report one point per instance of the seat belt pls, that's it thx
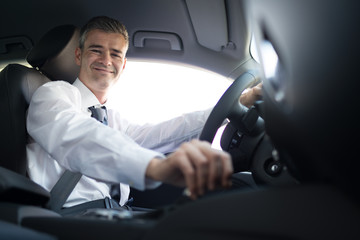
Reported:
(62, 189)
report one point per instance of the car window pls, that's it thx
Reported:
(151, 92)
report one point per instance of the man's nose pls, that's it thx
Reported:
(106, 59)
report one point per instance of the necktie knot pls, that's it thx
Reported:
(100, 114)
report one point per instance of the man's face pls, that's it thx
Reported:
(101, 60)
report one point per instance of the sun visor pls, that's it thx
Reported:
(210, 23)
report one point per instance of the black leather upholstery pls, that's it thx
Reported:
(11, 231)
(51, 56)
(15, 188)
(17, 84)
(54, 56)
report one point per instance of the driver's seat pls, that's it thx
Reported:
(17, 84)
(52, 59)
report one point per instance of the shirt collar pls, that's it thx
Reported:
(88, 99)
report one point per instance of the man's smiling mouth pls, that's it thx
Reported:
(103, 70)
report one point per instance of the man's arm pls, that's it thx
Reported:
(168, 135)
(79, 143)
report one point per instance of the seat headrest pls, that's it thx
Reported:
(54, 53)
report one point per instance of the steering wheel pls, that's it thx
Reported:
(256, 153)
(228, 106)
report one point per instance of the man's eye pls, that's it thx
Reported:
(95, 51)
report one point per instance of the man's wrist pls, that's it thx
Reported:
(152, 168)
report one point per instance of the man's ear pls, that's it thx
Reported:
(78, 56)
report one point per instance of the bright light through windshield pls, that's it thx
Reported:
(153, 92)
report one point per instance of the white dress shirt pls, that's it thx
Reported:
(64, 136)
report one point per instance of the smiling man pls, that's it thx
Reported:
(66, 137)
(102, 60)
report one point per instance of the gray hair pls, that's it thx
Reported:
(103, 23)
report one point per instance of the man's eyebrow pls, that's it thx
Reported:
(99, 46)
(95, 46)
(116, 50)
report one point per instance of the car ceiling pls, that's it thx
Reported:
(211, 34)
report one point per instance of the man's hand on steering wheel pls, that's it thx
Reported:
(251, 95)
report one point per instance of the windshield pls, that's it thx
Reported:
(149, 92)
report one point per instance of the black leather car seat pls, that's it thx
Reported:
(20, 197)
(53, 58)
(17, 84)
